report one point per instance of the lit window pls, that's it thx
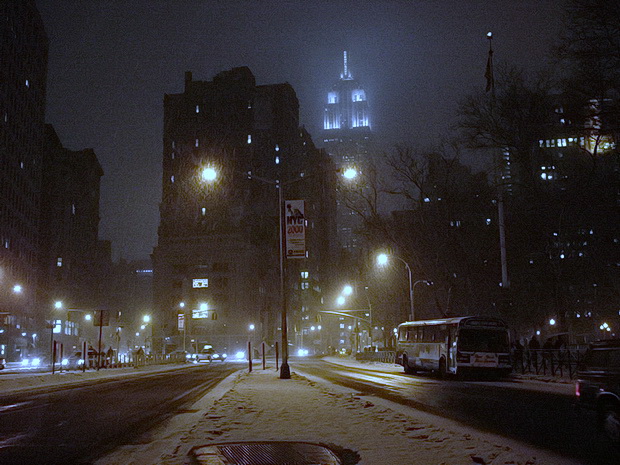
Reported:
(27, 83)
(304, 274)
(197, 143)
(277, 160)
(488, 221)
(59, 262)
(73, 209)
(249, 138)
(427, 200)
(197, 108)
(6, 244)
(341, 325)
(204, 211)
(172, 178)
(57, 326)
(21, 164)
(277, 148)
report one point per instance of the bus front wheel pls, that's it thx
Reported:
(408, 370)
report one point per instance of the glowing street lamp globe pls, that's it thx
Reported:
(209, 174)
(347, 290)
(146, 318)
(350, 173)
(17, 289)
(58, 304)
(340, 300)
(382, 259)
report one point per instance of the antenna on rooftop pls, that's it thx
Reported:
(346, 71)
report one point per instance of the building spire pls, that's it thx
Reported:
(346, 72)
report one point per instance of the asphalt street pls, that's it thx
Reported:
(544, 419)
(71, 425)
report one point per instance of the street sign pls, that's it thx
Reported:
(200, 282)
(102, 318)
(181, 322)
(295, 229)
(200, 314)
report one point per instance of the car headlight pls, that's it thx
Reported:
(224, 355)
(216, 356)
(64, 362)
(188, 355)
(25, 362)
(81, 361)
(36, 362)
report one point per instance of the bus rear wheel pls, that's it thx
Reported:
(442, 368)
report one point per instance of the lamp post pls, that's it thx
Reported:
(209, 175)
(382, 260)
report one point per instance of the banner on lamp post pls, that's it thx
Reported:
(295, 229)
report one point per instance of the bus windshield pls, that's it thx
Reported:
(483, 340)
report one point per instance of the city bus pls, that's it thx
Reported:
(456, 346)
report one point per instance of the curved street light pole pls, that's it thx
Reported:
(411, 286)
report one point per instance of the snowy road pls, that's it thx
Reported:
(540, 415)
(77, 424)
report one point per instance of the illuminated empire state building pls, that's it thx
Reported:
(347, 139)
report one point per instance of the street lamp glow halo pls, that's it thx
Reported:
(347, 290)
(382, 259)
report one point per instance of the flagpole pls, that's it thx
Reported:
(500, 200)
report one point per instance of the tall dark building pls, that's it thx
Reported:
(347, 137)
(70, 224)
(23, 54)
(71, 260)
(216, 261)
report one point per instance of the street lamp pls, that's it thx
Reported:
(58, 305)
(382, 260)
(17, 289)
(209, 174)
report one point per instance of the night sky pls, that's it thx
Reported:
(111, 62)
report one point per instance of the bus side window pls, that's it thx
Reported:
(421, 334)
(402, 334)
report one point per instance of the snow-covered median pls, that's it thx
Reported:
(26, 382)
(258, 406)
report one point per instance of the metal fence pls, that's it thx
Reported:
(550, 362)
(385, 356)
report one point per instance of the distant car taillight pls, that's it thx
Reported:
(577, 389)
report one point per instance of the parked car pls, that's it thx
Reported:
(2, 363)
(598, 386)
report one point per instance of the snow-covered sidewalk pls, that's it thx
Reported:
(259, 406)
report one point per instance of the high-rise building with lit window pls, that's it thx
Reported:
(347, 138)
(216, 260)
(23, 74)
